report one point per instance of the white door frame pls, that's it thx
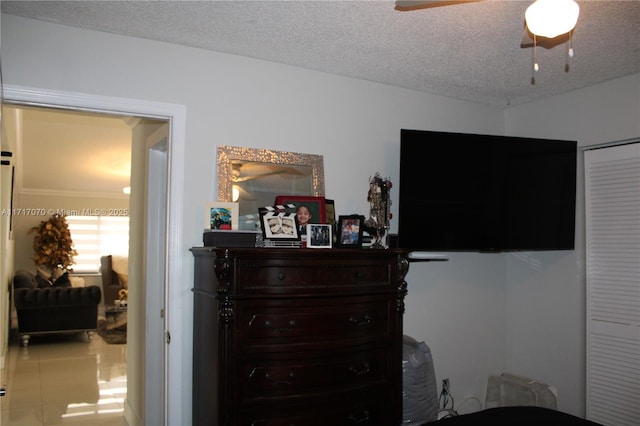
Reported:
(176, 114)
(156, 147)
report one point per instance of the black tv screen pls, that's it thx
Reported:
(472, 192)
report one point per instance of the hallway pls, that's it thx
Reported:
(64, 379)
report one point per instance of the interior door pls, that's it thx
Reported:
(612, 196)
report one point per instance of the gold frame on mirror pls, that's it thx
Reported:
(230, 159)
(226, 155)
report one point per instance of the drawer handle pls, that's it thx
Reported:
(363, 417)
(292, 325)
(365, 369)
(287, 382)
(360, 274)
(282, 276)
(365, 320)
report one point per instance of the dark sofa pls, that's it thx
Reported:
(54, 309)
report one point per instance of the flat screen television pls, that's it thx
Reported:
(472, 192)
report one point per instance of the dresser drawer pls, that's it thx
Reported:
(288, 322)
(269, 378)
(369, 407)
(273, 277)
(298, 337)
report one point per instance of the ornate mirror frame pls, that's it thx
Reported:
(227, 154)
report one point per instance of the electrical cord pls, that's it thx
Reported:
(443, 401)
(445, 398)
(445, 395)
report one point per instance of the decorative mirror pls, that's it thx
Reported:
(254, 177)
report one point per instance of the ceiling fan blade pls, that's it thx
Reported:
(406, 6)
(547, 43)
(527, 38)
(246, 178)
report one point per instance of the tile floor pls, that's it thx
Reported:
(64, 379)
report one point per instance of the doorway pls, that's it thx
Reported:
(140, 362)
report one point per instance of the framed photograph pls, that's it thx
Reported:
(319, 236)
(350, 231)
(279, 223)
(330, 212)
(308, 209)
(221, 216)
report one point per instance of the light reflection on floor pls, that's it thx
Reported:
(64, 379)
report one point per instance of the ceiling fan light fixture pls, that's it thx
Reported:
(551, 18)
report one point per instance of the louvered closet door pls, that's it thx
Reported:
(612, 184)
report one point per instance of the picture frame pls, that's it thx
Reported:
(319, 235)
(330, 212)
(279, 223)
(315, 205)
(330, 209)
(349, 231)
(221, 216)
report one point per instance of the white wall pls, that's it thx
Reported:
(457, 307)
(546, 292)
(238, 101)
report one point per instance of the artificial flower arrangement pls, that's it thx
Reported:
(53, 246)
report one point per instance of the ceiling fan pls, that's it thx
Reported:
(406, 6)
(246, 171)
(238, 168)
(529, 39)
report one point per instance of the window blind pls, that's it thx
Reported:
(95, 236)
(612, 196)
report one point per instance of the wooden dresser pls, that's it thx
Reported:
(301, 337)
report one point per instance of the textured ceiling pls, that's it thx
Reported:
(467, 51)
